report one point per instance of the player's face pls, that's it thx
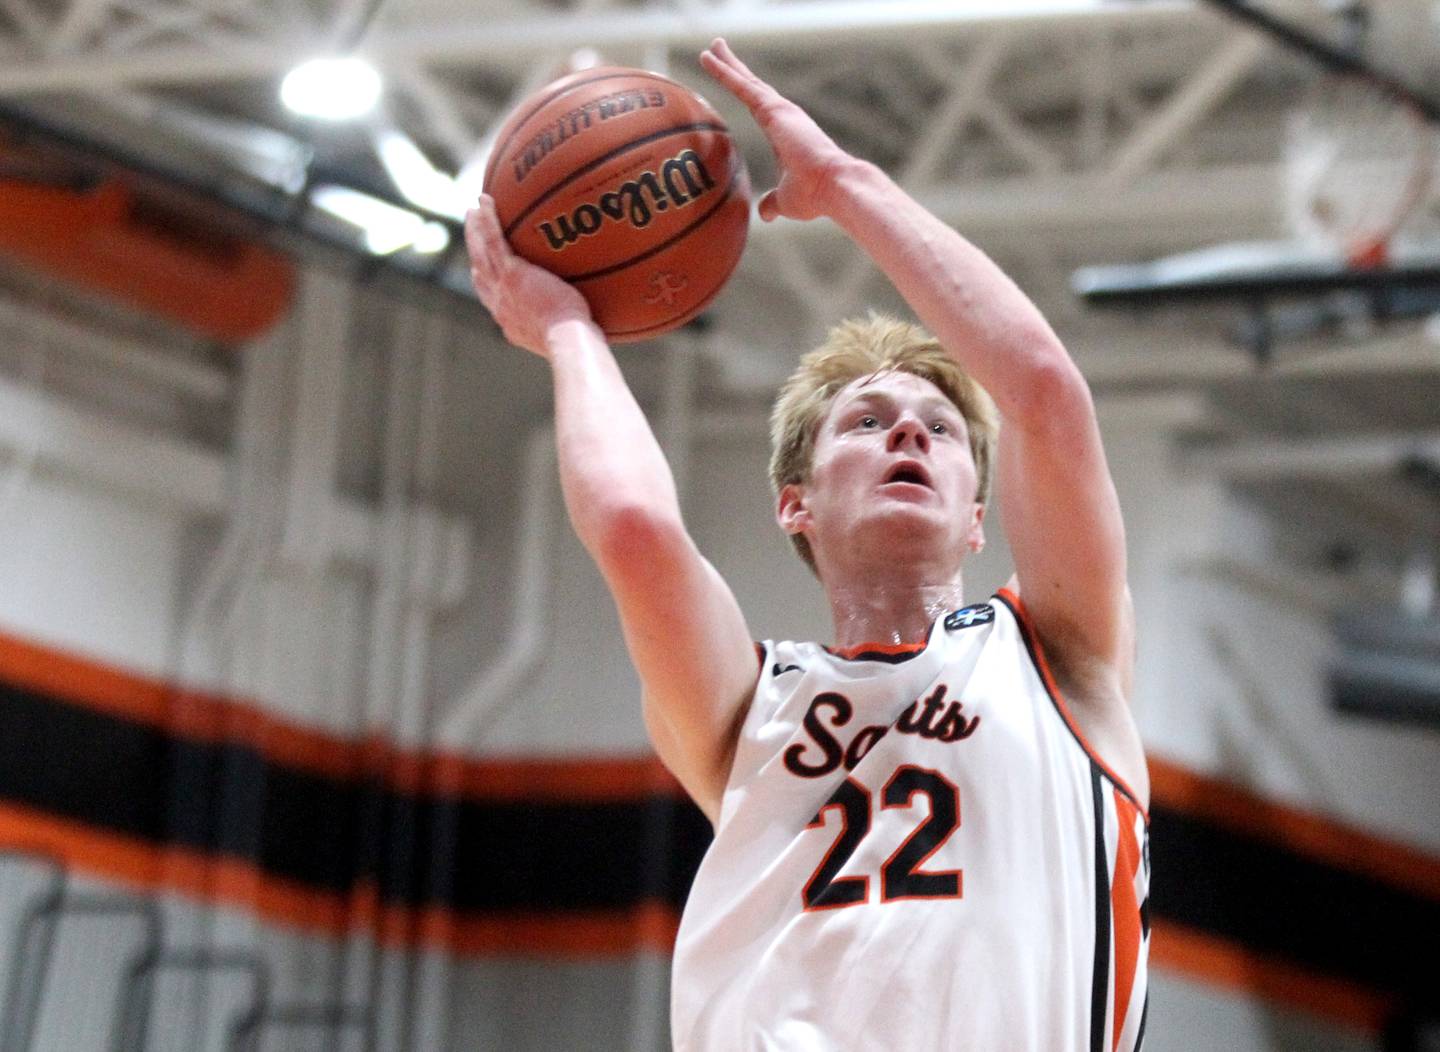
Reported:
(892, 466)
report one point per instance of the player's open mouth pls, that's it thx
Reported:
(908, 471)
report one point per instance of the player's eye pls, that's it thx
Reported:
(939, 428)
(868, 421)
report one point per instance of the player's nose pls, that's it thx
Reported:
(909, 431)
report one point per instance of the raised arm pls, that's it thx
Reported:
(684, 630)
(1061, 513)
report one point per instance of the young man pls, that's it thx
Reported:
(927, 837)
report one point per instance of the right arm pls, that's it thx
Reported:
(684, 630)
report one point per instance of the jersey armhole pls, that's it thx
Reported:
(1042, 668)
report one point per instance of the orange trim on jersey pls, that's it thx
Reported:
(1042, 665)
(1218, 962)
(1124, 910)
(146, 868)
(1303, 832)
(850, 653)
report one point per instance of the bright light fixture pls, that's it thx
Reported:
(332, 89)
(419, 180)
(387, 228)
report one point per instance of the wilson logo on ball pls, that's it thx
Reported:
(681, 181)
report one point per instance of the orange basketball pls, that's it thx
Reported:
(627, 185)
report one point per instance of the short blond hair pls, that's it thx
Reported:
(863, 347)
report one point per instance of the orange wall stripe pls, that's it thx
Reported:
(1325, 839)
(147, 869)
(1218, 962)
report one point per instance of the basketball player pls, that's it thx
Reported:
(930, 836)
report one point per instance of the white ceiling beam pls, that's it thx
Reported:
(962, 100)
(513, 44)
(1188, 105)
(438, 109)
(832, 111)
(1019, 140)
(80, 20)
(32, 26)
(153, 20)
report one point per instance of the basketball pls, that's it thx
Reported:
(627, 185)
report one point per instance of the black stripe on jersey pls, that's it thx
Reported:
(1100, 982)
(1030, 648)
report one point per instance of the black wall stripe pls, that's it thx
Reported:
(1100, 974)
(132, 779)
(1264, 895)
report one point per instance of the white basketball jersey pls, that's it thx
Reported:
(916, 851)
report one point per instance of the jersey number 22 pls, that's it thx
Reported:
(900, 876)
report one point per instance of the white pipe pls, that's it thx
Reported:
(389, 584)
(324, 323)
(430, 997)
(495, 686)
(1205, 90)
(385, 714)
(22, 466)
(241, 529)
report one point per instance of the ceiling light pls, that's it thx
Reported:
(332, 89)
(387, 229)
(417, 179)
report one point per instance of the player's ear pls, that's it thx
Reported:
(975, 535)
(790, 510)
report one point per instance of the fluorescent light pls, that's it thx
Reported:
(417, 179)
(387, 228)
(332, 89)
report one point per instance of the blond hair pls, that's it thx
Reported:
(864, 347)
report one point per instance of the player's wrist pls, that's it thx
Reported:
(848, 181)
(572, 332)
